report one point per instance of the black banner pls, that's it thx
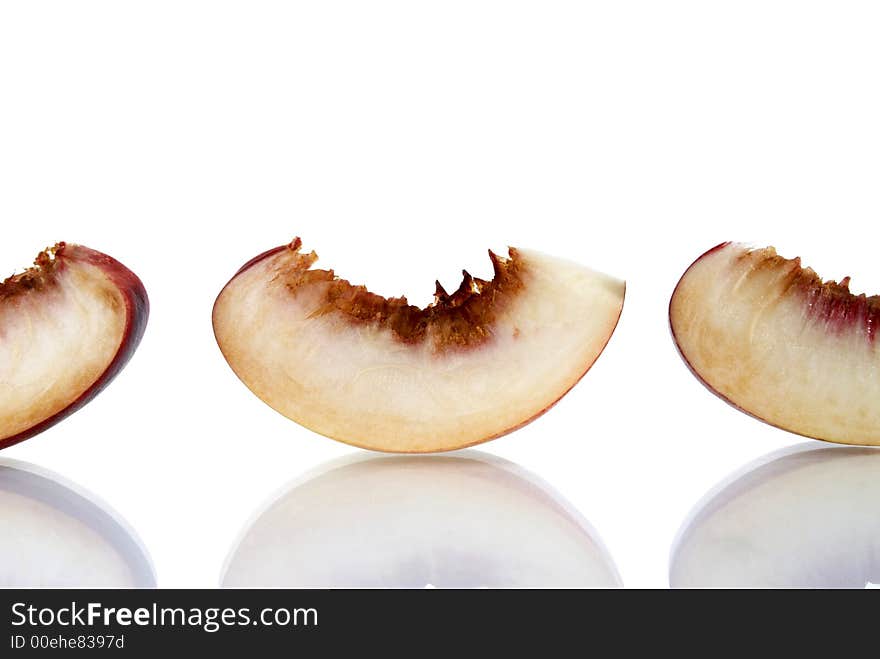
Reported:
(244, 620)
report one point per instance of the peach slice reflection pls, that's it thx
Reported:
(468, 520)
(54, 534)
(804, 517)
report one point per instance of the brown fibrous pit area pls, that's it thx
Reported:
(38, 277)
(463, 319)
(829, 301)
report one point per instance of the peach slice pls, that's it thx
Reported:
(68, 325)
(382, 374)
(769, 337)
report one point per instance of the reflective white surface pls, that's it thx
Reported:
(804, 517)
(53, 534)
(465, 520)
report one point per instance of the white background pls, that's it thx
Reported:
(400, 140)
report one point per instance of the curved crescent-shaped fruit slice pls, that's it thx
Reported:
(771, 338)
(382, 374)
(67, 327)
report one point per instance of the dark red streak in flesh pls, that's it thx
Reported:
(829, 303)
(840, 310)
